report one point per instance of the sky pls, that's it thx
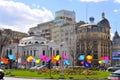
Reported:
(20, 15)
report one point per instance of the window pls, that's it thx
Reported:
(95, 56)
(42, 43)
(7, 53)
(34, 52)
(57, 52)
(36, 42)
(43, 63)
(24, 53)
(43, 52)
(94, 29)
(53, 52)
(31, 52)
(10, 51)
(25, 42)
(27, 53)
(29, 43)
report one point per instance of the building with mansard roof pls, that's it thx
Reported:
(94, 39)
(116, 49)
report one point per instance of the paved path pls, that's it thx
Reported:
(13, 78)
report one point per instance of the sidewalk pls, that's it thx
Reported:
(15, 78)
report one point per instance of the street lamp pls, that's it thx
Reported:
(61, 74)
(17, 55)
(50, 48)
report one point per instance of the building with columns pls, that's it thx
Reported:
(33, 46)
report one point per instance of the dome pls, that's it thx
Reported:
(103, 22)
(116, 35)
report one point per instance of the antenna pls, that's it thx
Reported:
(86, 12)
(116, 28)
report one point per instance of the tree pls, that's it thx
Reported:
(5, 36)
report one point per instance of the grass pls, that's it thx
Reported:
(34, 74)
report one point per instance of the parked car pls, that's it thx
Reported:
(38, 67)
(115, 75)
(113, 68)
(1, 74)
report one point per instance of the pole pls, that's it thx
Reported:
(61, 74)
(50, 59)
(17, 57)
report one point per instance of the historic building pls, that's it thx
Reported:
(116, 49)
(94, 39)
(32, 46)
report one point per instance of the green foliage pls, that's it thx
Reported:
(76, 73)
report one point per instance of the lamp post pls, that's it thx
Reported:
(17, 56)
(61, 74)
(50, 59)
(50, 48)
(0, 45)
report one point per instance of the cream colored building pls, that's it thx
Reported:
(94, 39)
(64, 17)
(43, 29)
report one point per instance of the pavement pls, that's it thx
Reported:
(14, 78)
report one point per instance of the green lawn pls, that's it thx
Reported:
(56, 75)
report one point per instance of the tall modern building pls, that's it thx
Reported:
(63, 32)
(64, 17)
(61, 17)
(94, 39)
(43, 29)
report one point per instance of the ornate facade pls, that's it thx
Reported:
(115, 48)
(94, 39)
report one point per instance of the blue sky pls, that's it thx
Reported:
(20, 15)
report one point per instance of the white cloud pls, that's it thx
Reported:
(19, 16)
(117, 1)
(111, 35)
(115, 10)
(35, 5)
(92, 0)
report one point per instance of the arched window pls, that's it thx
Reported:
(29, 43)
(36, 42)
(42, 43)
(25, 42)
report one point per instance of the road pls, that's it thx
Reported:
(13, 78)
